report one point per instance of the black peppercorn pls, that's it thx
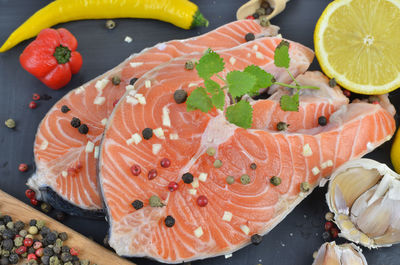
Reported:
(4, 261)
(48, 251)
(249, 37)
(83, 129)
(253, 166)
(169, 221)
(65, 257)
(13, 258)
(256, 15)
(60, 216)
(46, 97)
(137, 204)
(65, 109)
(180, 96)
(147, 133)
(326, 236)
(8, 234)
(65, 249)
(46, 260)
(187, 178)
(19, 225)
(7, 218)
(256, 239)
(322, 120)
(63, 236)
(50, 238)
(133, 81)
(8, 244)
(75, 122)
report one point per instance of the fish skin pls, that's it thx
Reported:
(260, 206)
(65, 146)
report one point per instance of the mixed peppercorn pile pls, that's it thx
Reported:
(34, 243)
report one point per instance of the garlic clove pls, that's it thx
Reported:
(346, 254)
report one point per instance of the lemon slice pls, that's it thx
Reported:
(357, 42)
(395, 152)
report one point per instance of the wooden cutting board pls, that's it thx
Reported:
(89, 249)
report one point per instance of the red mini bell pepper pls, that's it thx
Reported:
(52, 57)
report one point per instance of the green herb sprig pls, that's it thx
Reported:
(239, 83)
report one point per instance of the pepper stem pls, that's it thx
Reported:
(62, 54)
(199, 20)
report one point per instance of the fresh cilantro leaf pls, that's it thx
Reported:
(212, 86)
(240, 83)
(281, 57)
(218, 100)
(240, 114)
(209, 64)
(199, 99)
(290, 103)
(264, 79)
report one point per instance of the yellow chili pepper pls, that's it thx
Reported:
(181, 13)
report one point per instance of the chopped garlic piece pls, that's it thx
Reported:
(227, 216)
(136, 64)
(99, 100)
(104, 121)
(136, 138)
(255, 47)
(132, 93)
(192, 84)
(329, 163)
(64, 174)
(227, 256)
(315, 171)
(44, 145)
(232, 60)
(248, 55)
(156, 148)
(159, 132)
(131, 100)
(89, 147)
(198, 232)
(203, 177)
(138, 95)
(245, 229)
(101, 84)
(142, 100)
(79, 90)
(147, 83)
(129, 141)
(130, 87)
(195, 183)
(307, 150)
(193, 191)
(165, 117)
(259, 55)
(173, 136)
(128, 39)
(96, 152)
(324, 165)
(370, 146)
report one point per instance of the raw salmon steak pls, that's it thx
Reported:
(178, 225)
(66, 159)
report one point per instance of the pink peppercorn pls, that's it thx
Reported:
(173, 186)
(202, 201)
(165, 162)
(152, 174)
(135, 169)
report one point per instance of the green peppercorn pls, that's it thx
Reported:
(260, 11)
(211, 151)
(45, 207)
(264, 22)
(332, 82)
(85, 262)
(305, 187)
(33, 230)
(372, 99)
(18, 241)
(40, 223)
(249, 36)
(189, 65)
(155, 201)
(10, 123)
(110, 24)
(22, 233)
(54, 261)
(59, 242)
(230, 180)
(282, 126)
(10, 225)
(217, 163)
(245, 179)
(57, 249)
(275, 181)
(116, 80)
(29, 236)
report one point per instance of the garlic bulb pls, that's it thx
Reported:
(364, 195)
(346, 254)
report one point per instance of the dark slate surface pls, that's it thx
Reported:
(291, 242)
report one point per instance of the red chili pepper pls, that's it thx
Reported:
(36, 96)
(34, 202)
(328, 226)
(250, 17)
(23, 167)
(32, 105)
(30, 194)
(73, 252)
(375, 102)
(52, 58)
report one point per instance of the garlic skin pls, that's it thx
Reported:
(364, 195)
(346, 254)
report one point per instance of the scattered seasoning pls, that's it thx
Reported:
(169, 221)
(83, 129)
(133, 81)
(46, 97)
(322, 120)
(35, 96)
(282, 126)
(45, 207)
(347, 93)
(211, 151)
(256, 239)
(23, 167)
(173, 186)
(245, 179)
(32, 105)
(329, 216)
(147, 133)
(187, 178)
(334, 232)
(116, 80)
(180, 96)
(152, 174)
(75, 122)
(165, 162)
(328, 225)
(305, 186)
(249, 37)
(326, 236)
(230, 180)
(202, 201)
(137, 204)
(155, 201)
(65, 109)
(217, 163)
(275, 181)
(253, 166)
(110, 24)
(135, 169)
(10, 123)
(189, 65)
(34, 202)
(332, 82)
